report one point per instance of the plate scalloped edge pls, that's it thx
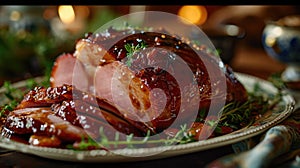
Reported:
(128, 155)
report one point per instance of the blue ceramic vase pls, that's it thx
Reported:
(281, 41)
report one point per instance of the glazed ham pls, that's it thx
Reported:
(130, 81)
(142, 86)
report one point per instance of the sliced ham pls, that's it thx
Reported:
(73, 72)
(157, 84)
(165, 82)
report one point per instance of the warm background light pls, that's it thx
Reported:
(15, 15)
(66, 13)
(194, 14)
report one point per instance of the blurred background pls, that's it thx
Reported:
(31, 37)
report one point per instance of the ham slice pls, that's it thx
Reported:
(73, 70)
(42, 121)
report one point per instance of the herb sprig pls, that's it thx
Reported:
(181, 137)
(15, 95)
(132, 49)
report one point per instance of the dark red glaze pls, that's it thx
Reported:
(91, 118)
(164, 45)
(41, 96)
(42, 121)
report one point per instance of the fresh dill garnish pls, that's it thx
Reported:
(132, 49)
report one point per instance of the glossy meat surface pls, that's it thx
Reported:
(155, 87)
(103, 85)
(42, 121)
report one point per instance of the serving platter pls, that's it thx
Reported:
(285, 108)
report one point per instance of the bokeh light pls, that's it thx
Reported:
(66, 13)
(193, 13)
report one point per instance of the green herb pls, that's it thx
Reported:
(85, 144)
(11, 92)
(181, 137)
(15, 95)
(132, 49)
(237, 115)
(277, 81)
(8, 107)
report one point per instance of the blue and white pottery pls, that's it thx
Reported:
(281, 41)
